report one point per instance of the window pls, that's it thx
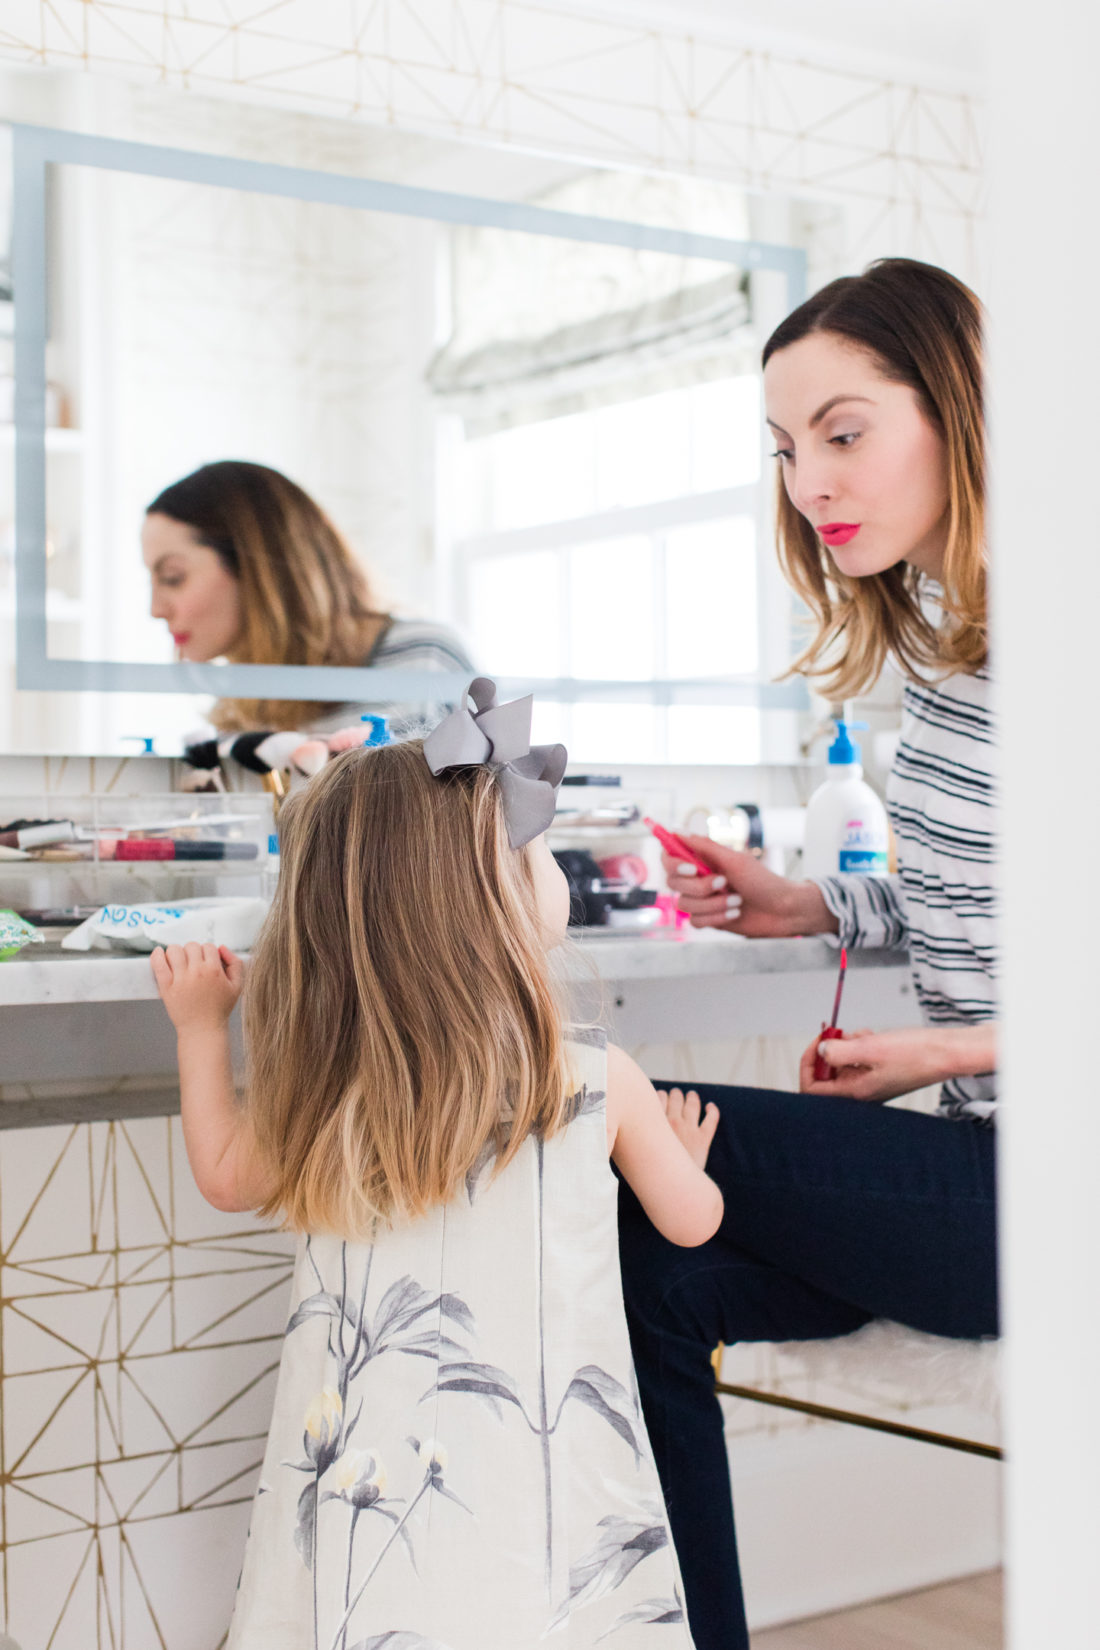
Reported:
(626, 535)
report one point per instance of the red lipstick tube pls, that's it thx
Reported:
(823, 1071)
(160, 847)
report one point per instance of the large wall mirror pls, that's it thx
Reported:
(535, 420)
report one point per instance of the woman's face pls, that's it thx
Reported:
(860, 458)
(194, 592)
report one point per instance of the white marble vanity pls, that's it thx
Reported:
(83, 1036)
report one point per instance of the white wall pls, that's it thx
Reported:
(1046, 347)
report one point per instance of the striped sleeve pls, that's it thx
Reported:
(869, 910)
(942, 800)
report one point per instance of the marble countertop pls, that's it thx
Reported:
(46, 974)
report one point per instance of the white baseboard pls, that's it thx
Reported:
(831, 1516)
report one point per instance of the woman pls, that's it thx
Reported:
(246, 567)
(837, 1211)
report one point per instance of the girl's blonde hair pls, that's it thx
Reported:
(305, 599)
(399, 1016)
(924, 329)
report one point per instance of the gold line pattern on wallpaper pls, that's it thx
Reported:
(139, 1334)
(905, 155)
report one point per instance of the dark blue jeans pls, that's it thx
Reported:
(837, 1212)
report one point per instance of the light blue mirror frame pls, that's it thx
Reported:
(34, 150)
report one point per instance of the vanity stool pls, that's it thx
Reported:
(884, 1367)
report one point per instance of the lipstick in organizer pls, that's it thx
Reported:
(823, 1071)
(161, 847)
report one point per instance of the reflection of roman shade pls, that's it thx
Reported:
(544, 326)
(601, 359)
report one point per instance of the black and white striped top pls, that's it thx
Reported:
(942, 904)
(419, 644)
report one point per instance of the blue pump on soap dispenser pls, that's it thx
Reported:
(844, 750)
(379, 731)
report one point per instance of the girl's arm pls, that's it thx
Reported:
(199, 986)
(660, 1149)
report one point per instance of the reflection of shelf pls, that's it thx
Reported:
(57, 440)
(141, 869)
(633, 832)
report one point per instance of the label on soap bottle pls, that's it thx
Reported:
(863, 850)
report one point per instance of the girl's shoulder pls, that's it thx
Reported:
(586, 1053)
(587, 1037)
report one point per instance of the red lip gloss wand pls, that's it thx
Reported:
(678, 848)
(823, 1071)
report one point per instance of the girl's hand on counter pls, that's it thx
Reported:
(744, 897)
(198, 984)
(880, 1065)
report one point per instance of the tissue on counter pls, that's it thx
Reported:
(231, 922)
(15, 933)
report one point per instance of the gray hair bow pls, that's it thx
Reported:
(499, 737)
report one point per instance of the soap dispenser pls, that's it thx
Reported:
(378, 730)
(846, 829)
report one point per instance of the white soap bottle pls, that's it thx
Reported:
(846, 829)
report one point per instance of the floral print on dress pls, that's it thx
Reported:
(457, 1457)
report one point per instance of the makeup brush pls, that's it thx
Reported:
(823, 1071)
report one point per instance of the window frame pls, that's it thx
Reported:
(457, 553)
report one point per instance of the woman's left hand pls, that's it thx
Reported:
(880, 1065)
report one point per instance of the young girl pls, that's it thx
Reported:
(457, 1458)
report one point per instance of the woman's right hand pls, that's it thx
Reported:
(744, 897)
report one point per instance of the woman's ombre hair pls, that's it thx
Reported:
(923, 328)
(305, 599)
(399, 1016)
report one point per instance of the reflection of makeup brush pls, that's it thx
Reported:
(823, 1071)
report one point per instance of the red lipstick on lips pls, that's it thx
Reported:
(839, 532)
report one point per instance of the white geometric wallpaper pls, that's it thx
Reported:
(905, 158)
(139, 1333)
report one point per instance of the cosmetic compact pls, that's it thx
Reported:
(599, 901)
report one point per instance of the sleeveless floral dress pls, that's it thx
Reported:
(457, 1458)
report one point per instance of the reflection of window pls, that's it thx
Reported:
(680, 442)
(619, 544)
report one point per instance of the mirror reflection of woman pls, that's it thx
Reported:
(839, 1211)
(245, 566)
